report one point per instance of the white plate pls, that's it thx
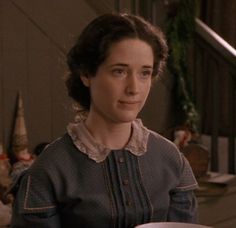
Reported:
(170, 225)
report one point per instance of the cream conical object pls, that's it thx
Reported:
(3, 156)
(20, 140)
(1, 148)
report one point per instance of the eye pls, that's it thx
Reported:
(120, 72)
(145, 74)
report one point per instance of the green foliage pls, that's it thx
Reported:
(180, 28)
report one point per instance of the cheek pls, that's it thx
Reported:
(105, 90)
(146, 89)
(100, 94)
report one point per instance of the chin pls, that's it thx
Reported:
(126, 118)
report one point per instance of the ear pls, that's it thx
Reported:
(85, 80)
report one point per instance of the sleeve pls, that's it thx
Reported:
(183, 202)
(183, 207)
(34, 204)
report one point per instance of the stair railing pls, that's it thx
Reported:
(213, 54)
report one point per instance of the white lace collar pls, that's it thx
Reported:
(85, 142)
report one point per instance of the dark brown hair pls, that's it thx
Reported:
(92, 46)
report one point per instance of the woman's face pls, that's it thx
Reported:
(122, 82)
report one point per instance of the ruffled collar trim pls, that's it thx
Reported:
(86, 143)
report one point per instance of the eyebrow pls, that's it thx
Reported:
(119, 64)
(126, 65)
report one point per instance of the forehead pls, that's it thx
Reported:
(130, 50)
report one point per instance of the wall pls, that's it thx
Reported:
(34, 35)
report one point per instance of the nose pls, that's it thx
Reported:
(132, 86)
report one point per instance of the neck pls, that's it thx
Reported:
(110, 134)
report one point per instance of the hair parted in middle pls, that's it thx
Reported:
(93, 44)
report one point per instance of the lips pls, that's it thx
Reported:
(129, 102)
(129, 105)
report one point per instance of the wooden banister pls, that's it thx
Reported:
(215, 41)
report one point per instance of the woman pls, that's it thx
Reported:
(109, 170)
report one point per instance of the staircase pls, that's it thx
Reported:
(214, 63)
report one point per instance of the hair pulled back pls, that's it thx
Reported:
(92, 47)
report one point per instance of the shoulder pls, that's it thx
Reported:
(163, 147)
(164, 156)
(57, 149)
(158, 138)
(59, 145)
(54, 157)
(45, 167)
